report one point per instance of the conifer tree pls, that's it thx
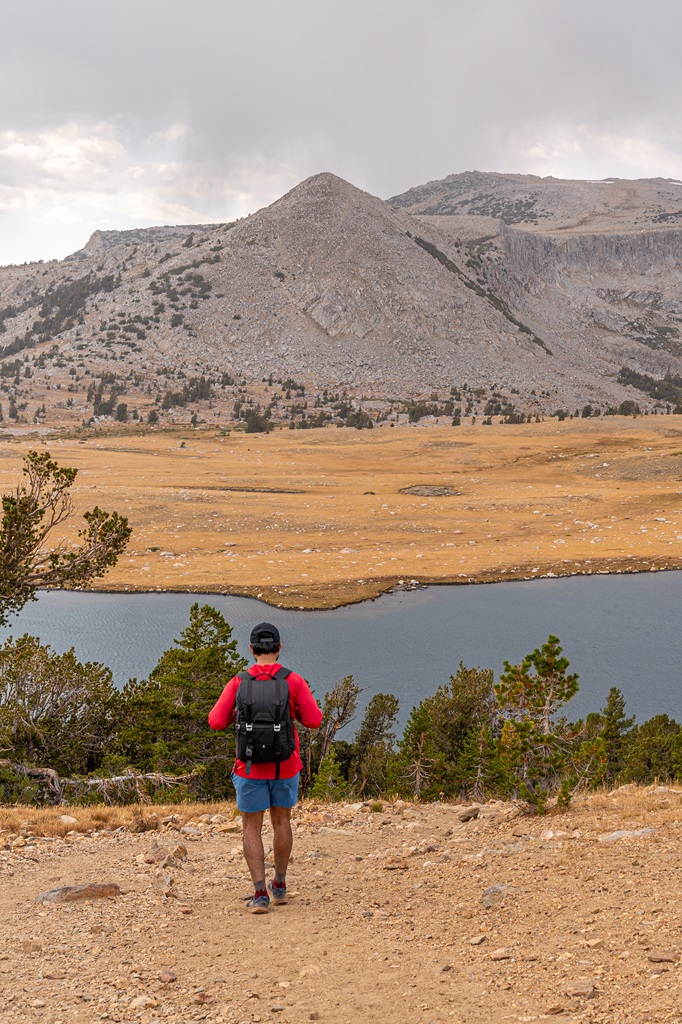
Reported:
(438, 729)
(542, 754)
(165, 716)
(31, 557)
(373, 753)
(615, 726)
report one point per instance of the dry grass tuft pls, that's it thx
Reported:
(45, 821)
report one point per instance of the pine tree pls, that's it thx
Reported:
(615, 726)
(544, 755)
(373, 752)
(329, 782)
(165, 715)
(438, 729)
(31, 557)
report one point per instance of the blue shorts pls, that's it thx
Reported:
(255, 795)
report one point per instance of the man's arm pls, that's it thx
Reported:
(222, 713)
(307, 711)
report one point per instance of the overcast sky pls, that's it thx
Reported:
(160, 112)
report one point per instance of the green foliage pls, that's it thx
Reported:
(653, 752)
(329, 782)
(54, 710)
(17, 788)
(665, 389)
(629, 408)
(257, 421)
(612, 726)
(338, 711)
(541, 755)
(433, 749)
(30, 516)
(372, 763)
(164, 717)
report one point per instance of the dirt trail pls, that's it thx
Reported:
(405, 914)
(319, 518)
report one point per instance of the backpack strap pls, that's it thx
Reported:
(279, 677)
(247, 701)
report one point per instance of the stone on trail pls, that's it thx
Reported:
(477, 940)
(66, 819)
(583, 988)
(612, 837)
(553, 1008)
(503, 953)
(141, 1002)
(166, 976)
(396, 864)
(72, 893)
(191, 831)
(663, 956)
(469, 813)
(156, 854)
(494, 895)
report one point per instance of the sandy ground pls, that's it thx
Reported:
(317, 518)
(406, 914)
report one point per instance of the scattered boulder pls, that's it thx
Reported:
(66, 819)
(73, 893)
(663, 956)
(495, 894)
(582, 988)
(191, 831)
(396, 864)
(469, 813)
(624, 833)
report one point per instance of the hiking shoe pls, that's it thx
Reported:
(278, 893)
(259, 903)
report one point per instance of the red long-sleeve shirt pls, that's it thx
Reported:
(304, 709)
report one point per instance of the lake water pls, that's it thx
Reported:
(616, 630)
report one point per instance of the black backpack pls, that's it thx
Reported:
(263, 726)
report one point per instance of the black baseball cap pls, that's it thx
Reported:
(264, 632)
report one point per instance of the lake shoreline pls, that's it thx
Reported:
(344, 593)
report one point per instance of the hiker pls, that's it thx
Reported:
(263, 702)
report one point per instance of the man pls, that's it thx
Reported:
(273, 784)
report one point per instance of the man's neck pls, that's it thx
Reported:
(266, 659)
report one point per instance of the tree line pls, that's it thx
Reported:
(66, 732)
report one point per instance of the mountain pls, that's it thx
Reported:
(535, 288)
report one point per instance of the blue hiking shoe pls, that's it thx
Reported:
(278, 891)
(259, 903)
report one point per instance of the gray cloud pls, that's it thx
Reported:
(216, 107)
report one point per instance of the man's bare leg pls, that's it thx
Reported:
(252, 842)
(282, 840)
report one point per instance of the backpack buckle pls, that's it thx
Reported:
(277, 728)
(249, 726)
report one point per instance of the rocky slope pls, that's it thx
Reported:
(540, 288)
(401, 911)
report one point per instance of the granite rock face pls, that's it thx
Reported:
(539, 287)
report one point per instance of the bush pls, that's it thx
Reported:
(54, 710)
